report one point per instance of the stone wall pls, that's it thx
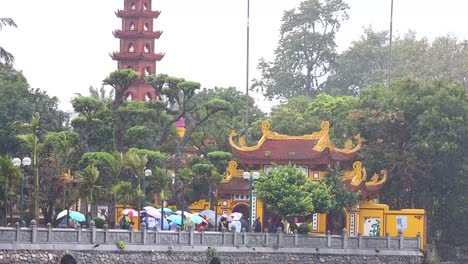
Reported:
(191, 257)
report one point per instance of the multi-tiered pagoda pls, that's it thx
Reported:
(137, 52)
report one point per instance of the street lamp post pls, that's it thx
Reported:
(17, 162)
(148, 173)
(251, 177)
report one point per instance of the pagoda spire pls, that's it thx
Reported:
(137, 46)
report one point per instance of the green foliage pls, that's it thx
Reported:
(124, 193)
(99, 222)
(289, 193)
(342, 197)
(305, 50)
(418, 131)
(211, 252)
(5, 56)
(304, 229)
(121, 245)
(366, 62)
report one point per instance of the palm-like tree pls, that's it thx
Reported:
(5, 56)
(87, 184)
(66, 181)
(9, 178)
(31, 142)
(137, 164)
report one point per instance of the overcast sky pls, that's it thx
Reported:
(63, 46)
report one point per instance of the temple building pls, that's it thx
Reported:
(137, 46)
(313, 154)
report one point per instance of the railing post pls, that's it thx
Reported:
(359, 239)
(92, 226)
(279, 231)
(49, 232)
(345, 238)
(191, 236)
(78, 228)
(143, 229)
(18, 232)
(224, 237)
(401, 239)
(418, 237)
(267, 235)
(329, 239)
(234, 238)
(179, 236)
(202, 237)
(106, 233)
(33, 231)
(132, 235)
(387, 235)
(296, 239)
(244, 242)
(156, 233)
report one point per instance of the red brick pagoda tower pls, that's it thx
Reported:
(137, 40)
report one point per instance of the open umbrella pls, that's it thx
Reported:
(211, 219)
(74, 215)
(176, 219)
(207, 213)
(197, 219)
(151, 211)
(179, 212)
(165, 210)
(234, 216)
(130, 212)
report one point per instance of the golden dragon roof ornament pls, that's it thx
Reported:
(322, 136)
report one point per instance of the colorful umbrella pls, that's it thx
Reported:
(151, 211)
(74, 215)
(235, 216)
(165, 210)
(179, 212)
(207, 213)
(198, 219)
(176, 219)
(130, 212)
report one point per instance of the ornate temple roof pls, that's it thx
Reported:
(137, 13)
(137, 34)
(356, 180)
(313, 149)
(136, 56)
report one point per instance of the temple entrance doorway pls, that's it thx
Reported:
(336, 221)
(243, 209)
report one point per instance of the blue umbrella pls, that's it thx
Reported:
(176, 219)
(165, 210)
(74, 215)
(165, 224)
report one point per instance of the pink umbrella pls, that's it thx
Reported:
(151, 211)
(130, 212)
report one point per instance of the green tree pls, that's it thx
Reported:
(366, 62)
(124, 193)
(9, 179)
(5, 56)
(32, 143)
(418, 130)
(305, 51)
(120, 80)
(287, 192)
(87, 180)
(86, 107)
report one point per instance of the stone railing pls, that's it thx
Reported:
(93, 235)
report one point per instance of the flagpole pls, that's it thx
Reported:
(247, 76)
(390, 46)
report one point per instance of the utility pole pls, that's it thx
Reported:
(390, 53)
(247, 112)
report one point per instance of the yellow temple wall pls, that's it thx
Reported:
(410, 221)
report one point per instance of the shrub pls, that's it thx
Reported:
(304, 229)
(99, 222)
(121, 244)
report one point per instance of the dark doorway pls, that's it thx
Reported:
(336, 221)
(243, 209)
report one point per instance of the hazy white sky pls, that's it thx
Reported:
(63, 46)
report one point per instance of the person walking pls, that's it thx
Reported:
(257, 225)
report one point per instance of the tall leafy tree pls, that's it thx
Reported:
(305, 51)
(366, 62)
(9, 179)
(120, 80)
(418, 130)
(289, 193)
(5, 56)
